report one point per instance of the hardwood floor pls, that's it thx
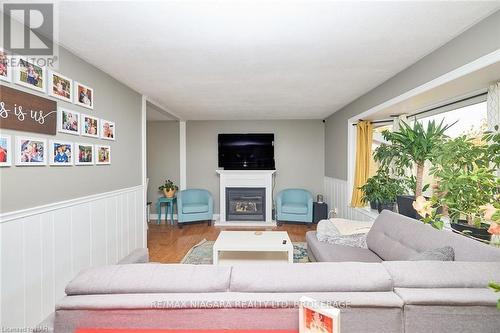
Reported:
(169, 244)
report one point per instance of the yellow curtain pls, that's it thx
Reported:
(363, 156)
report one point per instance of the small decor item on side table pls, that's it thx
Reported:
(169, 188)
(315, 317)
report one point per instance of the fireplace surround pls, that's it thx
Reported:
(255, 183)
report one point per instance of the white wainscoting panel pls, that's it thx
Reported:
(43, 248)
(336, 195)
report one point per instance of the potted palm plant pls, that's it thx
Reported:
(169, 188)
(408, 148)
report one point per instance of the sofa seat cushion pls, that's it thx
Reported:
(294, 208)
(225, 299)
(192, 208)
(325, 252)
(442, 274)
(448, 296)
(317, 277)
(150, 278)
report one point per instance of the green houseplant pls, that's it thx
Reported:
(383, 190)
(168, 188)
(466, 182)
(371, 193)
(410, 147)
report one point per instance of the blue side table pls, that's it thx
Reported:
(169, 203)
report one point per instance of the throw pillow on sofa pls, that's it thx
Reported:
(445, 253)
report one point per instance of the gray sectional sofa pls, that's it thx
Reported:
(377, 296)
(397, 237)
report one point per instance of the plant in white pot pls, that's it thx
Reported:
(169, 188)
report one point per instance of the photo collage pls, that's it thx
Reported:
(31, 151)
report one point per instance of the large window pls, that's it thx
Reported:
(471, 120)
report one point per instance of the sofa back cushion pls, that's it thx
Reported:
(396, 237)
(150, 278)
(311, 277)
(442, 274)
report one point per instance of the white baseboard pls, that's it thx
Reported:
(240, 224)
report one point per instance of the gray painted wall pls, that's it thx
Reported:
(162, 155)
(299, 152)
(25, 187)
(478, 41)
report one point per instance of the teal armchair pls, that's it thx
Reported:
(194, 205)
(294, 205)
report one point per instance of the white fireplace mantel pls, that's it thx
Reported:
(246, 178)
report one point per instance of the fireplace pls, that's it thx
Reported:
(246, 203)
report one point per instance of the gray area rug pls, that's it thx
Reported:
(201, 253)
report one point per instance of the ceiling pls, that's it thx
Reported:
(259, 59)
(465, 86)
(155, 113)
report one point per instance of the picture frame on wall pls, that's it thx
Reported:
(60, 87)
(102, 154)
(84, 95)
(107, 130)
(316, 317)
(68, 121)
(5, 150)
(29, 74)
(5, 66)
(31, 151)
(84, 154)
(89, 126)
(61, 153)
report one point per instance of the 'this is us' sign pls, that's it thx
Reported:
(22, 111)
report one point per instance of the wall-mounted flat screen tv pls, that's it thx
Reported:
(246, 151)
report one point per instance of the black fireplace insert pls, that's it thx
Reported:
(245, 204)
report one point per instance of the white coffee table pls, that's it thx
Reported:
(237, 247)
